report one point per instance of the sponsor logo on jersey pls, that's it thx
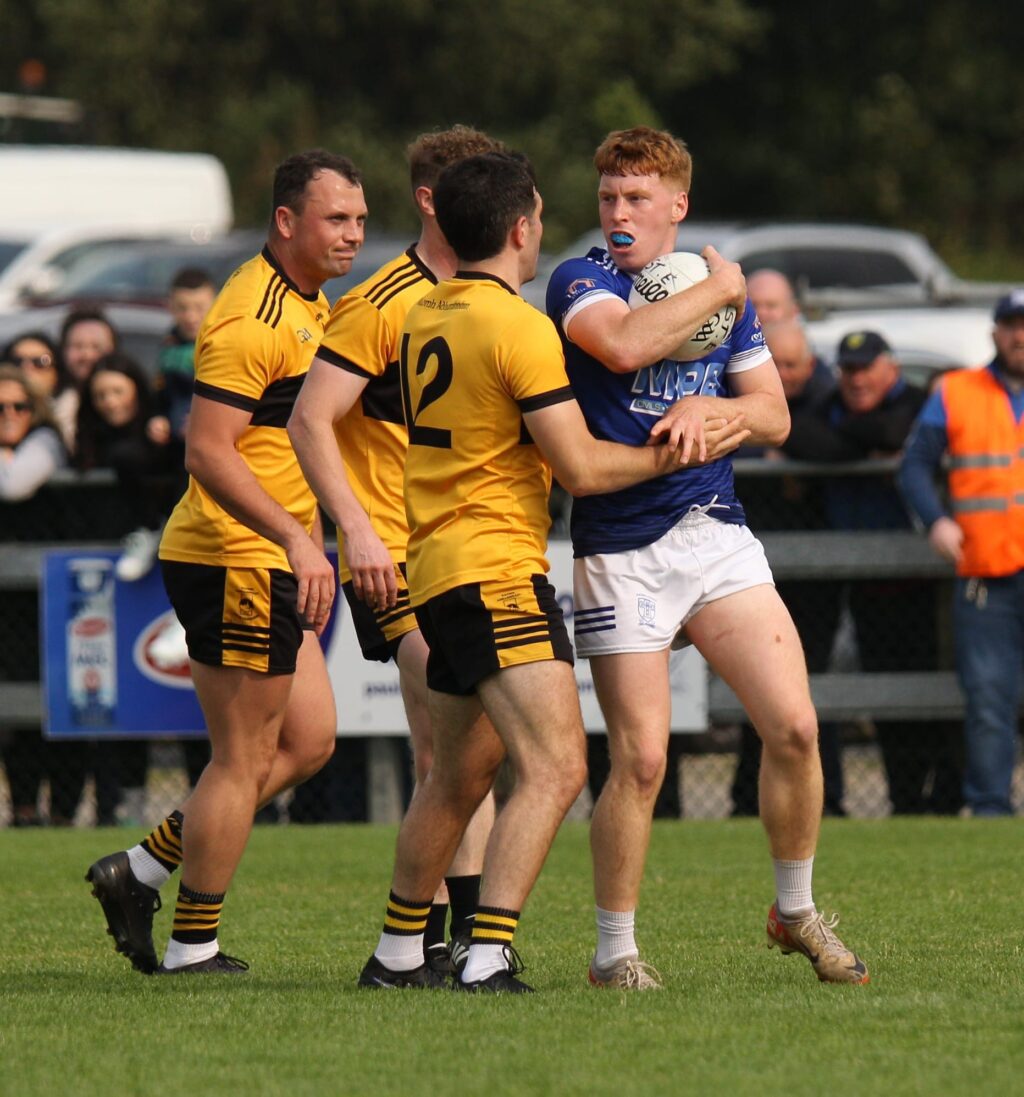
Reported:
(649, 407)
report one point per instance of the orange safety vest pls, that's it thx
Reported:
(986, 478)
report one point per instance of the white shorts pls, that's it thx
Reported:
(641, 600)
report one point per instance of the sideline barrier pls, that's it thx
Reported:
(85, 506)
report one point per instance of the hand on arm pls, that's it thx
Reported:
(327, 395)
(584, 465)
(212, 458)
(759, 400)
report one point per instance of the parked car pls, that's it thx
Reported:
(926, 341)
(130, 281)
(56, 201)
(833, 266)
(139, 272)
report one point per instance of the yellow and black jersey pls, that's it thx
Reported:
(252, 353)
(474, 356)
(362, 337)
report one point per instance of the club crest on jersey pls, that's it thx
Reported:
(304, 335)
(645, 608)
(580, 286)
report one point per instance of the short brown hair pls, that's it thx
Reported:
(293, 176)
(430, 153)
(645, 151)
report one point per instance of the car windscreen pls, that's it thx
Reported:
(850, 268)
(9, 251)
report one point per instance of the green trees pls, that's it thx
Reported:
(880, 111)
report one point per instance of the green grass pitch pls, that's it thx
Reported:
(933, 906)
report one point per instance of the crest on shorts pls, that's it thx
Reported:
(246, 604)
(510, 600)
(645, 608)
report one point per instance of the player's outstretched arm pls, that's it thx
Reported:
(625, 339)
(758, 396)
(327, 395)
(585, 465)
(212, 458)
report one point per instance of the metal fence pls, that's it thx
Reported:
(871, 607)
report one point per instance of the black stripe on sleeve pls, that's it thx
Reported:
(339, 360)
(225, 396)
(546, 399)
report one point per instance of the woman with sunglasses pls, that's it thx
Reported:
(30, 452)
(40, 359)
(30, 447)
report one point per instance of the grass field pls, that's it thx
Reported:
(933, 906)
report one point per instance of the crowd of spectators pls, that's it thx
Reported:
(80, 402)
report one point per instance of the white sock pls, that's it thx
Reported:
(615, 940)
(147, 869)
(484, 960)
(399, 952)
(179, 953)
(793, 887)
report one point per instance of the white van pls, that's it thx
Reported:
(56, 201)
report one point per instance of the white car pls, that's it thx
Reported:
(57, 202)
(925, 341)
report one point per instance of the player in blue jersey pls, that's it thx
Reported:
(670, 561)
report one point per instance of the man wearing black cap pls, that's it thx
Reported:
(977, 418)
(870, 415)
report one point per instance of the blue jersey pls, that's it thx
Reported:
(622, 407)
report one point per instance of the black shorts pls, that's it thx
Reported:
(380, 633)
(479, 628)
(237, 617)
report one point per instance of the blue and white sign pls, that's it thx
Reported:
(99, 677)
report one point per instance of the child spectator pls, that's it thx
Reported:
(190, 298)
(191, 295)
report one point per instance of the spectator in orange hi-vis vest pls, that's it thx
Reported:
(977, 418)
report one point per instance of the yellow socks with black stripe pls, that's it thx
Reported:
(194, 934)
(159, 853)
(401, 943)
(493, 930)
